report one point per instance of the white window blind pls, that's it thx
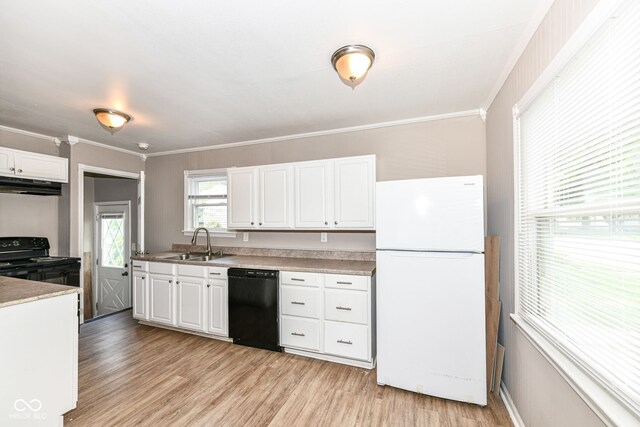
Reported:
(578, 207)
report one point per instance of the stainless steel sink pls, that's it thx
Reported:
(192, 257)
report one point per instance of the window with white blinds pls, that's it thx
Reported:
(578, 207)
(206, 200)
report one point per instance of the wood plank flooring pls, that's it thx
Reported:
(133, 374)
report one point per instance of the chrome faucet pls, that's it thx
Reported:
(195, 237)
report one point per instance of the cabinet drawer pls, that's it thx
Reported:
(300, 279)
(300, 333)
(346, 339)
(346, 306)
(192, 270)
(139, 265)
(343, 281)
(300, 301)
(161, 268)
(217, 272)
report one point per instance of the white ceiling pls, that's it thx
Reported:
(195, 73)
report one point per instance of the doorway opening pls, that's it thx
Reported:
(111, 233)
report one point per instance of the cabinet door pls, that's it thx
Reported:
(354, 192)
(275, 197)
(140, 296)
(162, 299)
(191, 303)
(6, 162)
(313, 194)
(218, 316)
(242, 186)
(39, 166)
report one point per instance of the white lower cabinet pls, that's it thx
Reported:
(191, 303)
(218, 315)
(140, 295)
(189, 297)
(162, 299)
(300, 333)
(328, 316)
(348, 340)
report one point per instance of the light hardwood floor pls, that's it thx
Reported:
(133, 374)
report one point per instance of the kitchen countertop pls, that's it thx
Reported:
(18, 291)
(359, 268)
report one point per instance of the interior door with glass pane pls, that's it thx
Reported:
(113, 241)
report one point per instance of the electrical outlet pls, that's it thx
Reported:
(323, 237)
(245, 237)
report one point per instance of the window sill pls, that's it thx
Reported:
(224, 234)
(610, 409)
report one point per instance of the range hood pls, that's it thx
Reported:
(29, 186)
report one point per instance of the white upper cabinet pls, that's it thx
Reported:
(24, 164)
(313, 194)
(242, 184)
(354, 192)
(323, 195)
(276, 208)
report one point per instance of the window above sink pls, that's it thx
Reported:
(205, 201)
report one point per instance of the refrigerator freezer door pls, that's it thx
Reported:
(437, 214)
(430, 324)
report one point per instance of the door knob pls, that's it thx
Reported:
(125, 273)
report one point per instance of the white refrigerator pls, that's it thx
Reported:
(430, 287)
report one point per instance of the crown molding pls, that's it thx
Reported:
(31, 134)
(518, 50)
(71, 140)
(109, 147)
(467, 113)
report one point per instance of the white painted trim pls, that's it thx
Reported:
(611, 410)
(82, 168)
(186, 331)
(532, 26)
(476, 112)
(31, 134)
(511, 407)
(592, 23)
(110, 147)
(331, 358)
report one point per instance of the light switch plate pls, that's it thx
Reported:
(323, 237)
(245, 237)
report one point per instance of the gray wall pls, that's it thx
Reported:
(94, 156)
(438, 148)
(542, 396)
(22, 215)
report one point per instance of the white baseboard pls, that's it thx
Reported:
(511, 407)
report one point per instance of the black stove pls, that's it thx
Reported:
(28, 258)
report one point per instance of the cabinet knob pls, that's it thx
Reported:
(208, 285)
(326, 223)
(259, 223)
(335, 222)
(19, 170)
(142, 277)
(12, 169)
(251, 222)
(177, 283)
(170, 281)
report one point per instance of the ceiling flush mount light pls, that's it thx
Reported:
(143, 146)
(352, 62)
(111, 120)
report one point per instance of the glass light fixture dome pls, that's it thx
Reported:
(111, 120)
(352, 62)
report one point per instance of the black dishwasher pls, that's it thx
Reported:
(253, 308)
